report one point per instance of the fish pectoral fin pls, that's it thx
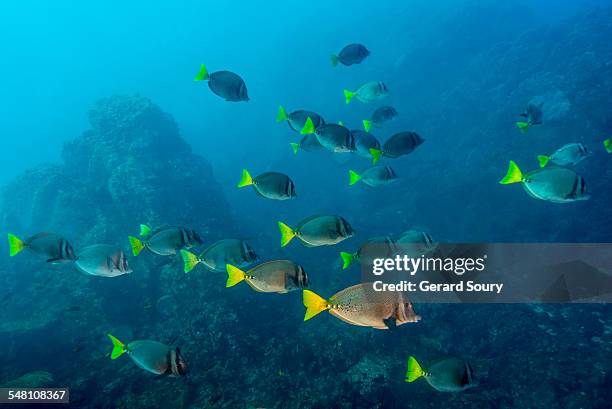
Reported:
(391, 322)
(54, 260)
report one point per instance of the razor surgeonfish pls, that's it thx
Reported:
(277, 276)
(361, 305)
(379, 117)
(447, 375)
(102, 260)
(533, 116)
(54, 247)
(552, 183)
(351, 54)
(152, 356)
(377, 247)
(225, 84)
(308, 143)
(567, 155)
(297, 119)
(402, 143)
(415, 243)
(317, 231)
(166, 241)
(216, 256)
(368, 92)
(271, 185)
(374, 176)
(333, 137)
(364, 141)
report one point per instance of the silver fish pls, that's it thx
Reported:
(152, 356)
(102, 260)
(53, 246)
(317, 231)
(368, 92)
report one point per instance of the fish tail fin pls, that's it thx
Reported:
(334, 60)
(414, 370)
(348, 95)
(295, 146)
(16, 245)
(514, 174)
(367, 125)
(543, 160)
(354, 177)
(314, 304)
(203, 74)
(308, 128)
(136, 244)
(376, 154)
(144, 230)
(234, 275)
(608, 145)
(119, 348)
(347, 259)
(282, 114)
(523, 126)
(190, 260)
(286, 232)
(246, 179)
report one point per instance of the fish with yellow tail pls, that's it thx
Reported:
(399, 144)
(165, 241)
(220, 253)
(552, 183)
(53, 247)
(152, 356)
(376, 247)
(297, 119)
(317, 231)
(277, 276)
(369, 92)
(447, 375)
(363, 306)
(271, 185)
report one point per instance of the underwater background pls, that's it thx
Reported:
(104, 129)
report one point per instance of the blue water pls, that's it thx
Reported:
(459, 73)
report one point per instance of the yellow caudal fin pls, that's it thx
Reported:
(202, 74)
(295, 146)
(234, 275)
(16, 245)
(246, 179)
(608, 145)
(286, 232)
(308, 127)
(348, 95)
(347, 259)
(514, 174)
(119, 348)
(314, 304)
(282, 114)
(354, 177)
(523, 126)
(136, 244)
(144, 230)
(543, 160)
(367, 125)
(334, 60)
(190, 260)
(376, 154)
(414, 370)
